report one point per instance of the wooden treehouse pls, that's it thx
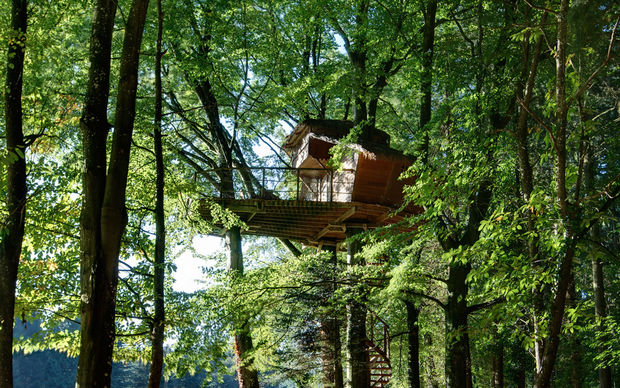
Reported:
(313, 204)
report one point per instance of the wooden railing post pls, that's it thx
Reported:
(263, 193)
(331, 186)
(297, 190)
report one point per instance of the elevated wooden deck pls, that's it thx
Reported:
(309, 222)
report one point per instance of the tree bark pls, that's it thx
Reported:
(498, 365)
(413, 339)
(357, 355)
(543, 379)
(574, 343)
(17, 191)
(246, 374)
(598, 280)
(600, 308)
(330, 335)
(527, 178)
(458, 363)
(103, 211)
(96, 339)
(157, 329)
(426, 78)
(458, 359)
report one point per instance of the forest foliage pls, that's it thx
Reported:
(509, 110)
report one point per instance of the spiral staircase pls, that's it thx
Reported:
(378, 345)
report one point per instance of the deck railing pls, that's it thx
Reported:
(288, 183)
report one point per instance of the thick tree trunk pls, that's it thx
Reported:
(458, 359)
(12, 237)
(543, 379)
(426, 78)
(358, 56)
(246, 374)
(458, 363)
(330, 353)
(497, 359)
(330, 335)
(103, 213)
(413, 342)
(357, 355)
(157, 330)
(94, 366)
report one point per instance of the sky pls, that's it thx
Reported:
(189, 276)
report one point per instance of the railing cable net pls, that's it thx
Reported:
(287, 183)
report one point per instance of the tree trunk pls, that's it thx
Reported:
(157, 329)
(96, 340)
(527, 178)
(543, 379)
(600, 306)
(12, 237)
(104, 216)
(518, 356)
(574, 343)
(330, 335)
(598, 281)
(433, 380)
(413, 339)
(357, 355)
(458, 364)
(498, 365)
(358, 56)
(458, 359)
(246, 374)
(426, 78)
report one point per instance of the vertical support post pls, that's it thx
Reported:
(330, 329)
(297, 189)
(372, 328)
(357, 355)
(263, 190)
(331, 185)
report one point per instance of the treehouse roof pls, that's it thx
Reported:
(372, 141)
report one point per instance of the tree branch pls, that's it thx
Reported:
(586, 84)
(480, 306)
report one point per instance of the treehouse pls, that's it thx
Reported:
(314, 204)
(369, 172)
(311, 202)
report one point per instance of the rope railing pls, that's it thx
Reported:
(288, 183)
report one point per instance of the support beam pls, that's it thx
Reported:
(357, 357)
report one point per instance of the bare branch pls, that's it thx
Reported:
(539, 121)
(588, 82)
(540, 8)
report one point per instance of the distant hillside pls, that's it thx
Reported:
(50, 369)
